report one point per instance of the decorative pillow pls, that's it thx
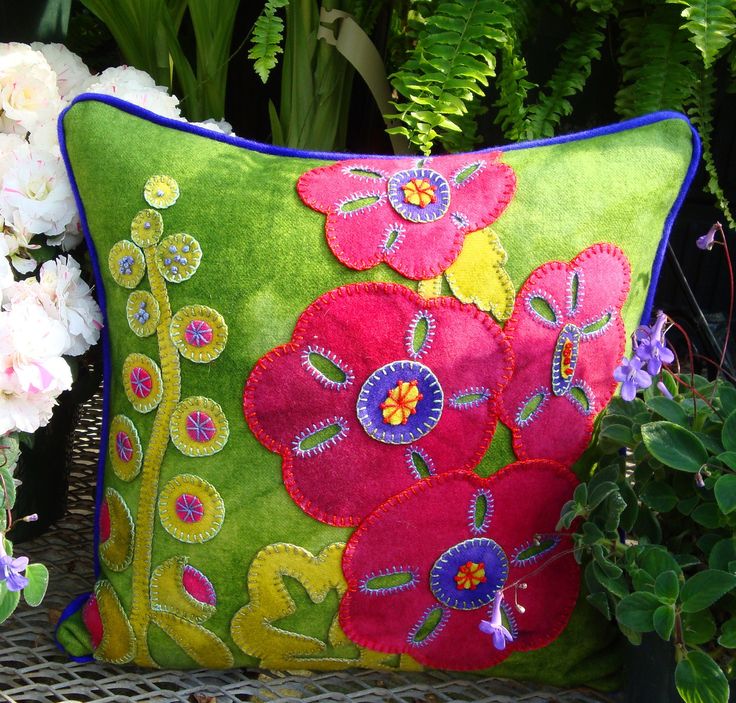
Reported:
(344, 394)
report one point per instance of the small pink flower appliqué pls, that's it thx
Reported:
(568, 337)
(412, 214)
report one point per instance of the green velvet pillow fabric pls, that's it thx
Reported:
(344, 394)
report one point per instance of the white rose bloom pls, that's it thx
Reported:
(8, 144)
(31, 345)
(61, 281)
(17, 239)
(71, 238)
(128, 83)
(25, 412)
(37, 187)
(28, 92)
(45, 136)
(72, 75)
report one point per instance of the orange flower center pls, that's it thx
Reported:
(470, 575)
(401, 402)
(419, 191)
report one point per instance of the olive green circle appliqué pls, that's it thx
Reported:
(127, 264)
(190, 508)
(142, 382)
(126, 453)
(143, 313)
(161, 191)
(199, 333)
(199, 427)
(178, 257)
(146, 228)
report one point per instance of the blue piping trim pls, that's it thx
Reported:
(75, 606)
(333, 156)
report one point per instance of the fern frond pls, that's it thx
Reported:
(268, 34)
(453, 58)
(711, 23)
(467, 138)
(513, 88)
(701, 114)
(603, 7)
(657, 61)
(578, 53)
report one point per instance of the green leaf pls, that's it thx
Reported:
(708, 515)
(728, 434)
(728, 458)
(641, 580)
(674, 446)
(7, 489)
(636, 611)
(711, 23)
(722, 554)
(705, 588)
(656, 560)
(616, 585)
(725, 492)
(667, 587)
(700, 680)
(600, 493)
(618, 435)
(727, 395)
(38, 581)
(629, 516)
(668, 409)
(659, 496)
(580, 496)
(664, 621)
(728, 634)
(698, 628)
(8, 602)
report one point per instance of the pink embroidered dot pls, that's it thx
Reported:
(198, 586)
(105, 525)
(200, 426)
(141, 382)
(198, 333)
(123, 447)
(189, 508)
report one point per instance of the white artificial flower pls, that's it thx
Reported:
(28, 92)
(221, 126)
(128, 83)
(71, 238)
(8, 144)
(77, 310)
(45, 136)
(6, 272)
(72, 75)
(31, 345)
(37, 188)
(17, 239)
(25, 412)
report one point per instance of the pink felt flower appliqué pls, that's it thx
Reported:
(568, 337)
(411, 213)
(378, 389)
(460, 571)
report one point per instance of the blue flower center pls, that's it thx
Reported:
(400, 402)
(469, 574)
(419, 194)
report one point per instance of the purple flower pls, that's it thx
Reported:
(631, 377)
(707, 241)
(11, 571)
(664, 390)
(650, 345)
(495, 627)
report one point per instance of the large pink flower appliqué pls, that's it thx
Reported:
(568, 337)
(411, 213)
(427, 571)
(378, 389)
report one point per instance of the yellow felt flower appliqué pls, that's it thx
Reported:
(253, 627)
(478, 275)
